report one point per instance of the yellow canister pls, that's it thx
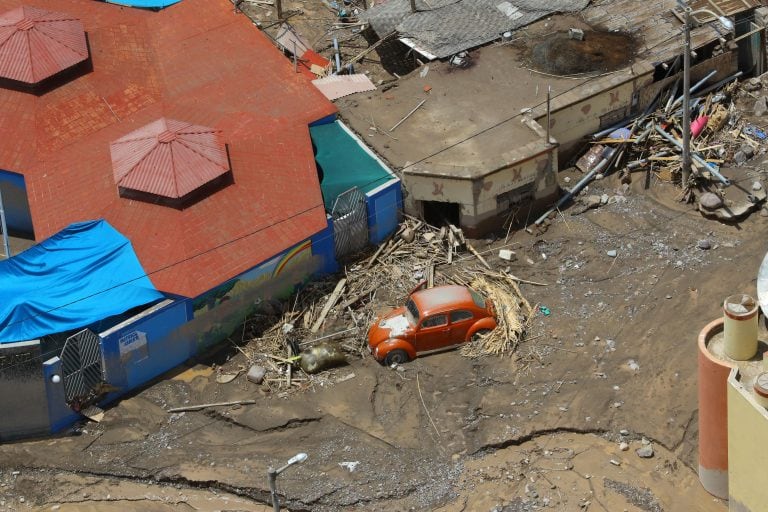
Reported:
(761, 389)
(740, 327)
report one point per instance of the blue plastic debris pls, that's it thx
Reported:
(545, 310)
(754, 131)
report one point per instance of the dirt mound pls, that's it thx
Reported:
(597, 52)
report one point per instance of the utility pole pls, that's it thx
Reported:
(686, 169)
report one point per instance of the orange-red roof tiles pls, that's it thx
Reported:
(195, 61)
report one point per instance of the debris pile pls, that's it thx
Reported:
(331, 316)
(722, 141)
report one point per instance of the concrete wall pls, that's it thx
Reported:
(605, 101)
(747, 449)
(477, 194)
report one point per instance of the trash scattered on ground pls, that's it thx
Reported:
(651, 144)
(295, 344)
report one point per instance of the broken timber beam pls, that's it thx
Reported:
(215, 404)
(329, 304)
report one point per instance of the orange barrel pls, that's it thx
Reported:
(740, 330)
(713, 415)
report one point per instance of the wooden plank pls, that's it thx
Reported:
(329, 304)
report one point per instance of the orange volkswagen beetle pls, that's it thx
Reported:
(432, 320)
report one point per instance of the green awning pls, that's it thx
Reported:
(345, 163)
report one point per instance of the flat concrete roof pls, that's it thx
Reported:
(461, 129)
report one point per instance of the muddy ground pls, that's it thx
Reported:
(534, 430)
(614, 361)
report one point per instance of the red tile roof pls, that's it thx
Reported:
(197, 61)
(168, 158)
(35, 43)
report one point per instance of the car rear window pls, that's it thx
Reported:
(479, 300)
(460, 316)
(413, 312)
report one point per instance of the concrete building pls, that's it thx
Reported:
(196, 140)
(476, 152)
(732, 420)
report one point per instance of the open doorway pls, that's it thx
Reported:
(438, 213)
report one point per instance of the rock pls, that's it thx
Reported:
(321, 357)
(408, 235)
(645, 451)
(748, 150)
(740, 157)
(599, 176)
(761, 106)
(753, 84)
(710, 201)
(507, 255)
(624, 432)
(623, 446)
(567, 179)
(604, 199)
(612, 253)
(286, 328)
(704, 245)
(632, 364)
(764, 213)
(256, 374)
(757, 186)
(615, 462)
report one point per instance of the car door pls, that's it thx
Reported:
(460, 322)
(433, 333)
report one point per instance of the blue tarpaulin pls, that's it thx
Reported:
(146, 4)
(82, 274)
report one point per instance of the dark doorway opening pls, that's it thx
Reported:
(440, 214)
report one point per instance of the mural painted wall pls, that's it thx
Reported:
(154, 341)
(172, 332)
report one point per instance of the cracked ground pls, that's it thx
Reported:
(614, 362)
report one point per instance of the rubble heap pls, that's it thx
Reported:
(339, 312)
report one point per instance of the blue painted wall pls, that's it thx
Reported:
(384, 208)
(15, 203)
(140, 350)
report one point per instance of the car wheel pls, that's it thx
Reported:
(396, 357)
(480, 333)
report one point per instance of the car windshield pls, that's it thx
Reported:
(477, 298)
(411, 312)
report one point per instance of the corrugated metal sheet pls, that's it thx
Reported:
(338, 86)
(445, 27)
(168, 158)
(35, 43)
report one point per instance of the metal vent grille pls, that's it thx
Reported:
(81, 366)
(350, 222)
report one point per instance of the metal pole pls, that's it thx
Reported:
(4, 227)
(549, 95)
(279, 7)
(686, 170)
(273, 488)
(413, 5)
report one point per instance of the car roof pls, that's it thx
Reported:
(443, 297)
